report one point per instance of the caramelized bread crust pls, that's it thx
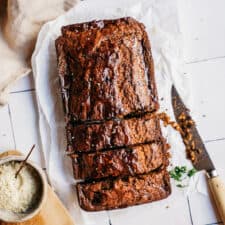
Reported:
(122, 192)
(106, 70)
(125, 161)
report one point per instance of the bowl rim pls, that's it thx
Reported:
(42, 176)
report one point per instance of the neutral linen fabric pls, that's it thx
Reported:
(20, 22)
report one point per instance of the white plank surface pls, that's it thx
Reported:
(6, 131)
(208, 79)
(25, 123)
(216, 151)
(24, 84)
(169, 214)
(202, 210)
(203, 26)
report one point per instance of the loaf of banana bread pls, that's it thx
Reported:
(109, 93)
(125, 161)
(112, 134)
(106, 70)
(115, 193)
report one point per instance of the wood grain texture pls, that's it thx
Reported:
(217, 188)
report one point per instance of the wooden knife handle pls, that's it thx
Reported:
(217, 188)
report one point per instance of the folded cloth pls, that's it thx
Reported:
(20, 22)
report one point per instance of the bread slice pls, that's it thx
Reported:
(122, 192)
(112, 134)
(138, 159)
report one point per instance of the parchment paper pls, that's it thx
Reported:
(162, 24)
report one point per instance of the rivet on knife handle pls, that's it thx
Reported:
(212, 173)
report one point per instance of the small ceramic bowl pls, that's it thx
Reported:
(11, 217)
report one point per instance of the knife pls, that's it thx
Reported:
(197, 152)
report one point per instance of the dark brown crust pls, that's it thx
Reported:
(109, 94)
(106, 70)
(126, 161)
(112, 134)
(123, 192)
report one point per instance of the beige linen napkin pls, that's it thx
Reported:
(20, 22)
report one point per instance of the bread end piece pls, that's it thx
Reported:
(124, 192)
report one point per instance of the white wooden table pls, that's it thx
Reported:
(203, 26)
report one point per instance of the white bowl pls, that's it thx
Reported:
(11, 217)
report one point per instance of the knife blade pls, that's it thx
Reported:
(202, 159)
(194, 144)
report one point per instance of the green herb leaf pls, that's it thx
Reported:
(177, 169)
(181, 185)
(191, 172)
(183, 169)
(175, 175)
(180, 173)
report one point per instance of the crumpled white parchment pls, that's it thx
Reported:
(162, 24)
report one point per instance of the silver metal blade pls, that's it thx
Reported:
(203, 161)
